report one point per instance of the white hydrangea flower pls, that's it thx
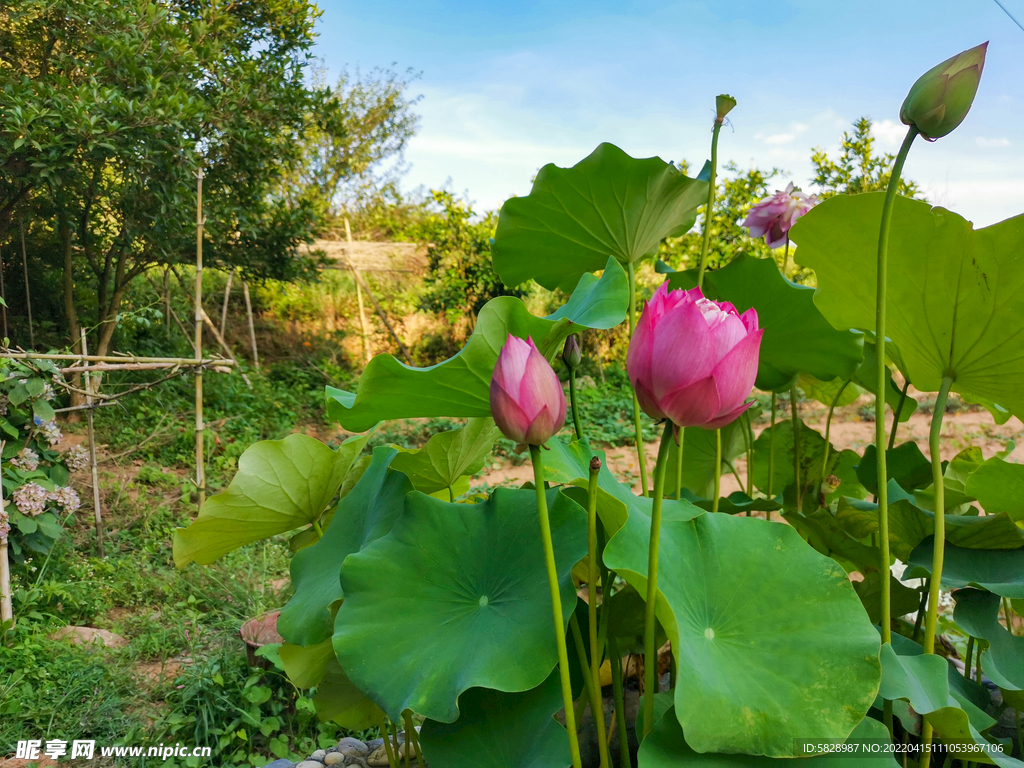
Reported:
(30, 499)
(77, 458)
(66, 497)
(27, 460)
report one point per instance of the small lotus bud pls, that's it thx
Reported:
(571, 354)
(724, 104)
(527, 401)
(595, 464)
(941, 98)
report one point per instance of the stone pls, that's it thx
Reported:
(334, 758)
(320, 754)
(281, 763)
(88, 636)
(353, 746)
(372, 744)
(379, 756)
(310, 764)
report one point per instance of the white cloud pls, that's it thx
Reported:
(788, 137)
(889, 133)
(990, 143)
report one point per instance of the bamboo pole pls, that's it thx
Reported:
(116, 358)
(6, 606)
(252, 327)
(224, 309)
(359, 298)
(3, 296)
(97, 512)
(223, 343)
(200, 427)
(143, 366)
(28, 293)
(167, 299)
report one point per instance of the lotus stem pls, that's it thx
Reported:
(637, 422)
(750, 457)
(597, 707)
(771, 452)
(680, 442)
(921, 610)
(556, 605)
(650, 651)
(828, 428)
(896, 414)
(413, 738)
(573, 403)
(588, 684)
(939, 551)
(968, 656)
(710, 205)
(718, 470)
(382, 724)
(620, 703)
(795, 416)
(881, 277)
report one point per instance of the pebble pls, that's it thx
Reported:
(372, 744)
(320, 754)
(352, 746)
(334, 758)
(281, 763)
(309, 764)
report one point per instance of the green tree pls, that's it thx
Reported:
(857, 169)
(109, 111)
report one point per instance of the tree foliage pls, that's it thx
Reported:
(857, 169)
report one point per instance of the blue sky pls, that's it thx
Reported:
(510, 86)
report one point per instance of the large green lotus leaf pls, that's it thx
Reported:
(955, 476)
(788, 653)
(977, 613)
(574, 218)
(280, 485)
(997, 570)
(960, 687)
(923, 681)
(699, 456)
(447, 456)
(905, 464)
(363, 516)
(829, 536)
(306, 666)
(841, 464)
(998, 486)
(909, 525)
(797, 338)
(460, 386)
(956, 294)
(455, 597)
(501, 730)
(666, 747)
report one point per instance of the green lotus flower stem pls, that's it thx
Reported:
(968, 655)
(382, 724)
(680, 442)
(785, 259)
(620, 703)
(796, 446)
(771, 452)
(650, 651)
(573, 403)
(631, 275)
(1007, 616)
(750, 458)
(939, 551)
(592, 695)
(881, 277)
(413, 737)
(318, 529)
(718, 470)
(597, 707)
(708, 209)
(977, 664)
(556, 604)
(896, 415)
(921, 610)
(828, 428)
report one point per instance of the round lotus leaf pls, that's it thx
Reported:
(455, 597)
(772, 642)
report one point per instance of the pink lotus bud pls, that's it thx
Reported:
(693, 360)
(527, 400)
(773, 217)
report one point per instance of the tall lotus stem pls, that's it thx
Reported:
(709, 208)
(881, 276)
(556, 604)
(828, 428)
(795, 416)
(620, 704)
(939, 549)
(771, 451)
(382, 724)
(631, 275)
(718, 470)
(680, 442)
(592, 579)
(650, 651)
(896, 414)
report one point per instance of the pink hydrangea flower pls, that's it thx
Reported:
(773, 217)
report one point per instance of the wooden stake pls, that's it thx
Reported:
(224, 309)
(28, 293)
(3, 296)
(200, 426)
(6, 606)
(97, 513)
(252, 327)
(115, 358)
(359, 298)
(167, 300)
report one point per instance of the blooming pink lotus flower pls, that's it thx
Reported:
(693, 360)
(527, 400)
(773, 217)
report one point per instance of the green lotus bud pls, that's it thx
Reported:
(941, 98)
(724, 104)
(571, 354)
